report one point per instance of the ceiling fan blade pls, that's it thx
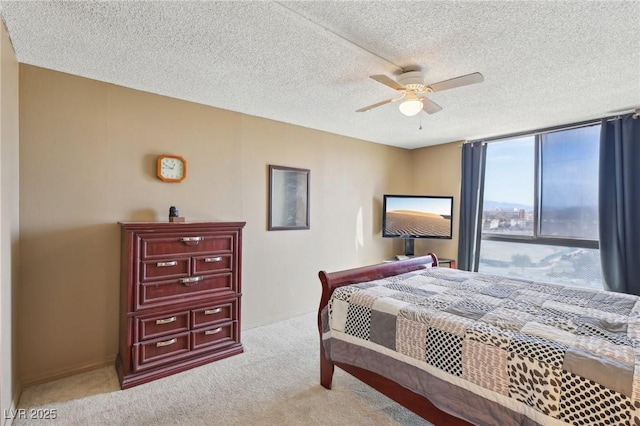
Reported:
(429, 106)
(464, 80)
(387, 81)
(367, 108)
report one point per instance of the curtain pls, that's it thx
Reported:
(473, 159)
(619, 204)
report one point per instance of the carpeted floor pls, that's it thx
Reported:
(275, 382)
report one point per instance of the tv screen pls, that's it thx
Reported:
(417, 216)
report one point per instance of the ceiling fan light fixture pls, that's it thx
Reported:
(411, 107)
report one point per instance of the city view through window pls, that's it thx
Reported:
(514, 237)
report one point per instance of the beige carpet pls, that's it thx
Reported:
(275, 382)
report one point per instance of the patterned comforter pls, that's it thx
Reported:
(494, 350)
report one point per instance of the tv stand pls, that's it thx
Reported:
(408, 247)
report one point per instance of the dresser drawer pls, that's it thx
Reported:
(214, 337)
(164, 269)
(163, 245)
(151, 353)
(160, 293)
(162, 325)
(214, 314)
(212, 264)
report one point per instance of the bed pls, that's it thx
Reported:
(460, 348)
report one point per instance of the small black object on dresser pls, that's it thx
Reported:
(180, 290)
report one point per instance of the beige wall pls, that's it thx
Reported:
(87, 152)
(436, 171)
(9, 228)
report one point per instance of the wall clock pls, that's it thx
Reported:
(171, 168)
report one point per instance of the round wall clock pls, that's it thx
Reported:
(171, 168)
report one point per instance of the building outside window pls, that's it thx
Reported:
(540, 208)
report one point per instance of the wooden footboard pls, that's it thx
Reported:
(411, 400)
(332, 280)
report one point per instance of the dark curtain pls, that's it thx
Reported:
(473, 159)
(619, 204)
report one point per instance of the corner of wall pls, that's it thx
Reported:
(436, 171)
(9, 225)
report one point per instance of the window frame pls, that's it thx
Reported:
(536, 238)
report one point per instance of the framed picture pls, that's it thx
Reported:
(288, 198)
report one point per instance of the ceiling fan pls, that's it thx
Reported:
(411, 85)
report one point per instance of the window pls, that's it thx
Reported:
(540, 208)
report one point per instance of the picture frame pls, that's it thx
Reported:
(288, 198)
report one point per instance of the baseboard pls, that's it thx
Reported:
(60, 374)
(66, 372)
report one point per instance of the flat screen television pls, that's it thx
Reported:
(417, 216)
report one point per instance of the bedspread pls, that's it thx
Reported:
(495, 350)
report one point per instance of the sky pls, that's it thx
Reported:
(569, 169)
(509, 171)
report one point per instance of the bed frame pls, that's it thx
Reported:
(411, 400)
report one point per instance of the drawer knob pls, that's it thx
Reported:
(190, 281)
(166, 320)
(213, 311)
(215, 331)
(172, 263)
(166, 343)
(213, 259)
(191, 239)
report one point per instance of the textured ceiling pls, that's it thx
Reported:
(307, 63)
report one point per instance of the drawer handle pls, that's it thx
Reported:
(210, 332)
(190, 281)
(166, 320)
(166, 343)
(172, 263)
(213, 311)
(191, 239)
(213, 259)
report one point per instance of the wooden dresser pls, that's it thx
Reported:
(180, 289)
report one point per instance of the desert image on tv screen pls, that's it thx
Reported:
(418, 216)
